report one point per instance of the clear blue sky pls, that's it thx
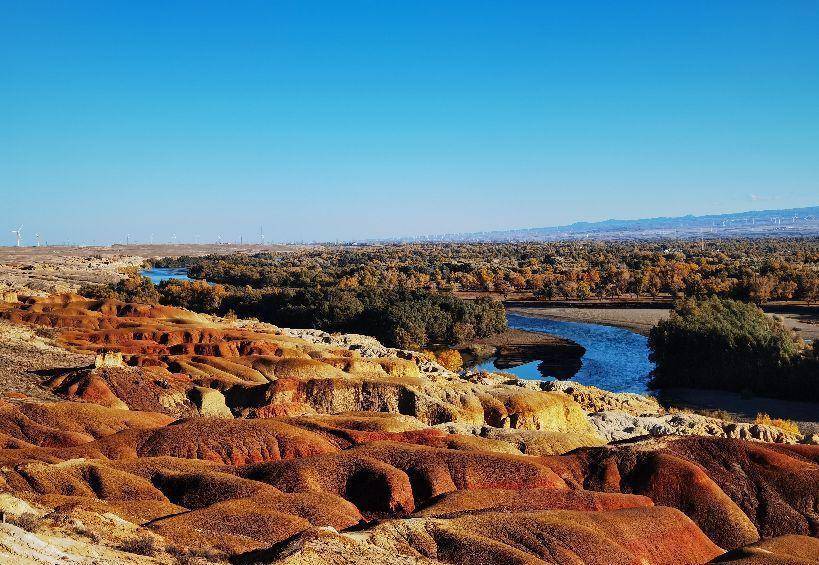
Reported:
(325, 120)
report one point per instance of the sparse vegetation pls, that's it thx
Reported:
(788, 426)
(26, 521)
(143, 544)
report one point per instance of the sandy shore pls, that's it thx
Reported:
(638, 320)
(641, 320)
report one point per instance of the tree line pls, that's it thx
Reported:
(409, 319)
(751, 270)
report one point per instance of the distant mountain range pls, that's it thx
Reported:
(756, 223)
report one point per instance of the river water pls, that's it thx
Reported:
(158, 275)
(616, 359)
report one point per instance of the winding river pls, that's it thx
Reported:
(616, 359)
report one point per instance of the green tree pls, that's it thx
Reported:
(726, 344)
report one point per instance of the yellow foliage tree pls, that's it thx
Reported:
(451, 359)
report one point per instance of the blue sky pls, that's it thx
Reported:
(328, 120)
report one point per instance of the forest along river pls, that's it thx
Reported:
(616, 359)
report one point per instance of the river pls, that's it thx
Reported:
(158, 275)
(616, 359)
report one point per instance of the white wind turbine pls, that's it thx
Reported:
(18, 232)
(37, 237)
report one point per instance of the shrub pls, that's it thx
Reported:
(135, 288)
(193, 295)
(451, 359)
(98, 291)
(788, 426)
(725, 344)
(141, 545)
(410, 319)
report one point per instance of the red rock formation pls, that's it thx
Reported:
(735, 490)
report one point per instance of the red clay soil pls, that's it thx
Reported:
(734, 490)
(783, 550)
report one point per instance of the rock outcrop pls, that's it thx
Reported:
(619, 426)
(173, 356)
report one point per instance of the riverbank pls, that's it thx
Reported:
(617, 360)
(516, 347)
(741, 408)
(638, 320)
(802, 319)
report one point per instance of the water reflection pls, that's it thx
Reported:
(616, 359)
(156, 276)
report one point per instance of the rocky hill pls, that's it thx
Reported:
(156, 435)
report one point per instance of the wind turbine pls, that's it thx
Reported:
(18, 232)
(37, 236)
(173, 238)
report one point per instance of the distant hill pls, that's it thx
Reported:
(757, 223)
